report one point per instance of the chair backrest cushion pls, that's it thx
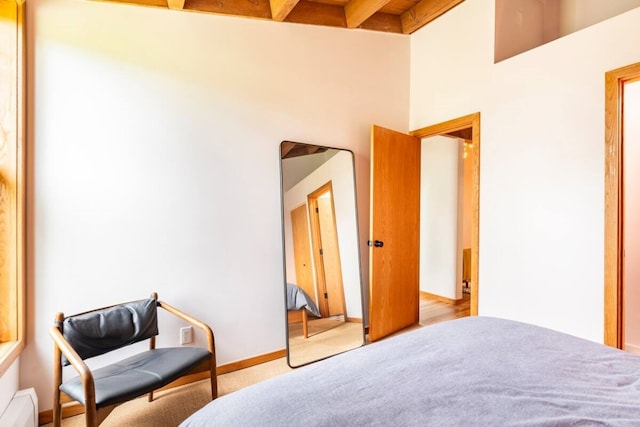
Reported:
(101, 331)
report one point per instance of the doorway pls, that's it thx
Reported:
(468, 129)
(445, 228)
(394, 219)
(616, 81)
(326, 252)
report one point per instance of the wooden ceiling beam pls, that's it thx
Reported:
(376, 15)
(286, 147)
(281, 8)
(358, 11)
(314, 13)
(247, 8)
(176, 4)
(424, 12)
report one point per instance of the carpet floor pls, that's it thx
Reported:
(173, 406)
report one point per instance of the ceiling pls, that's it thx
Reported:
(395, 16)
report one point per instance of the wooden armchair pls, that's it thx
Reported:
(85, 335)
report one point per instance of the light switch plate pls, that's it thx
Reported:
(186, 335)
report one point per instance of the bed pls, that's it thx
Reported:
(478, 371)
(299, 304)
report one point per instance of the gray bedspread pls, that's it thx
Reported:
(475, 371)
(298, 298)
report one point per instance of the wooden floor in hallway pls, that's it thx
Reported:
(434, 311)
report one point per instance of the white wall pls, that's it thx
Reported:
(467, 213)
(441, 188)
(339, 171)
(578, 14)
(632, 216)
(154, 144)
(542, 157)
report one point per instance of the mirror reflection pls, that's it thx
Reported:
(321, 253)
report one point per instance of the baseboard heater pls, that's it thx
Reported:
(22, 410)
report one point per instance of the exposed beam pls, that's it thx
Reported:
(281, 8)
(176, 4)
(285, 148)
(246, 8)
(425, 12)
(358, 11)
(377, 15)
(314, 13)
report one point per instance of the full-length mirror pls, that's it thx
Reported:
(323, 288)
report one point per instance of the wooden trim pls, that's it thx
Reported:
(614, 202)
(46, 417)
(469, 121)
(441, 298)
(12, 170)
(448, 127)
(252, 361)
(21, 176)
(9, 352)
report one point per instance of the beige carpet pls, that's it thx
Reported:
(171, 407)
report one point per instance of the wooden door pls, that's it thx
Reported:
(326, 252)
(331, 256)
(395, 232)
(302, 250)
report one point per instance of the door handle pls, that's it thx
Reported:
(376, 243)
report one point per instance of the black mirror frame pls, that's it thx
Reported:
(284, 250)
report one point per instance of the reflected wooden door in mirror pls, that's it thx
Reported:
(323, 287)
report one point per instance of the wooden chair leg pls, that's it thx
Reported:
(57, 380)
(151, 397)
(91, 416)
(57, 409)
(214, 379)
(305, 325)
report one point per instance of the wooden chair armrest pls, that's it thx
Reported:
(76, 362)
(192, 320)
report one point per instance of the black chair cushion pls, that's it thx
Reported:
(137, 375)
(101, 331)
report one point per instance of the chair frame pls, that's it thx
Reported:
(93, 415)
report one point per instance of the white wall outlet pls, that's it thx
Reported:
(186, 335)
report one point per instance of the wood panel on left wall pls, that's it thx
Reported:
(12, 113)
